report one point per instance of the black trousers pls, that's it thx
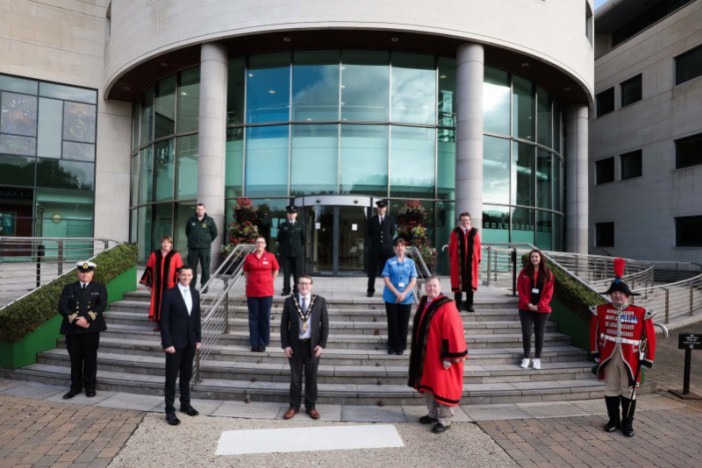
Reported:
(202, 256)
(179, 362)
(303, 361)
(376, 263)
(537, 321)
(291, 265)
(398, 322)
(457, 296)
(82, 349)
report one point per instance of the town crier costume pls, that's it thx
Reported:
(161, 273)
(622, 339)
(437, 354)
(464, 256)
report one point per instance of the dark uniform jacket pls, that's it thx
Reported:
(90, 303)
(380, 236)
(291, 239)
(200, 233)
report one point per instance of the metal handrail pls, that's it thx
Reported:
(31, 262)
(217, 309)
(673, 300)
(423, 271)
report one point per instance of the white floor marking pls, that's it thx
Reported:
(308, 439)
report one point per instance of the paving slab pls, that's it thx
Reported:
(371, 413)
(495, 412)
(133, 401)
(239, 409)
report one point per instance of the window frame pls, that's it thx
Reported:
(631, 154)
(598, 164)
(678, 230)
(678, 156)
(598, 102)
(622, 93)
(677, 68)
(599, 234)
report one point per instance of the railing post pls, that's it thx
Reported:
(514, 271)
(60, 257)
(489, 250)
(667, 305)
(40, 254)
(226, 307)
(692, 299)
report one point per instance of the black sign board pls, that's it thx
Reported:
(689, 341)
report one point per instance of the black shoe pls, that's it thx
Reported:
(469, 308)
(439, 428)
(400, 352)
(427, 420)
(261, 349)
(254, 349)
(71, 393)
(391, 351)
(370, 293)
(189, 410)
(172, 419)
(90, 393)
(612, 425)
(285, 293)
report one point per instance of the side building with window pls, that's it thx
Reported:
(437, 107)
(646, 133)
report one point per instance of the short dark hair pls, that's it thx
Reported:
(399, 241)
(306, 276)
(201, 204)
(465, 213)
(167, 238)
(185, 267)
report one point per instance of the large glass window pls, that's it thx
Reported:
(316, 86)
(446, 164)
(188, 101)
(364, 159)
(496, 170)
(496, 101)
(164, 169)
(523, 109)
(186, 160)
(413, 88)
(523, 175)
(412, 161)
(314, 163)
(165, 107)
(544, 116)
(267, 160)
(236, 85)
(544, 179)
(268, 88)
(447, 92)
(365, 86)
(17, 170)
(234, 179)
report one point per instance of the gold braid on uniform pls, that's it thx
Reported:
(93, 315)
(72, 317)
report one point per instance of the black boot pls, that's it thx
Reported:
(628, 409)
(457, 298)
(614, 422)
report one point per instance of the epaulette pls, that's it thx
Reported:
(593, 309)
(649, 314)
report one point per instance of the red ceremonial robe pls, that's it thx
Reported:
(636, 326)
(464, 257)
(438, 335)
(161, 273)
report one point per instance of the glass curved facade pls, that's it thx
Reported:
(351, 122)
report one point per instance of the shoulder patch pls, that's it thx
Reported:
(649, 314)
(593, 309)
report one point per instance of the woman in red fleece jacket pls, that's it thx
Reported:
(535, 288)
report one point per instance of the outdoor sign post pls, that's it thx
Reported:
(688, 342)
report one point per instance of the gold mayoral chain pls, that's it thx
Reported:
(304, 316)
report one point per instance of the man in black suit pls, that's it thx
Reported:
(291, 247)
(81, 305)
(380, 233)
(181, 336)
(304, 329)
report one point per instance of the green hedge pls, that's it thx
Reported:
(25, 315)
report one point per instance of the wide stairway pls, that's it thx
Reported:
(355, 368)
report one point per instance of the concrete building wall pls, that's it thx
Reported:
(142, 29)
(64, 41)
(644, 208)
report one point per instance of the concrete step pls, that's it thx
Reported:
(226, 389)
(275, 370)
(334, 356)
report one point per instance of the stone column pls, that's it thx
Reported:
(470, 66)
(212, 137)
(577, 239)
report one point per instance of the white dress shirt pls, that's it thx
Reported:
(187, 297)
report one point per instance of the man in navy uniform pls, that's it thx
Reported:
(380, 233)
(82, 304)
(291, 247)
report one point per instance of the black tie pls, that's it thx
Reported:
(82, 286)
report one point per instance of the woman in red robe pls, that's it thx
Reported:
(161, 273)
(438, 351)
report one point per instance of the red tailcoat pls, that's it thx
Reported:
(161, 273)
(464, 256)
(438, 336)
(636, 325)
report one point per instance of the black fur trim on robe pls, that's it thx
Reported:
(420, 332)
(465, 264)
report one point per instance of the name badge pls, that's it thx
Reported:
(535, 290)
(204, 225)
(265, 262)
(402, 285)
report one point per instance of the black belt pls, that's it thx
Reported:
(305, 341)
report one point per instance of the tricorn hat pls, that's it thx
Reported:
(291, 209)
(618, 284)
(85, 266)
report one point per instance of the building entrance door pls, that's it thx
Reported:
(336, 233)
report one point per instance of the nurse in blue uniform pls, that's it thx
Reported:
(400, 276)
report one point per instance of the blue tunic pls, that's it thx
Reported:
(400, 274)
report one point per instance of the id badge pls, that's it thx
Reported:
(402, 285)
(535, 290)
